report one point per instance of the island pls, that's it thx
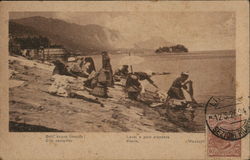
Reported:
(172, 49)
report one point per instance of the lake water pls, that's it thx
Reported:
(212, 72)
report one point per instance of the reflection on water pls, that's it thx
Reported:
(213, 73)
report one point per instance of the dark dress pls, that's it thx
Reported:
(175, 91)
(133, 87)
(107, 66)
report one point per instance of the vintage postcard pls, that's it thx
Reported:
(124, 80)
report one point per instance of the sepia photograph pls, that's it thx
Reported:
(124, 80)
(118, 71)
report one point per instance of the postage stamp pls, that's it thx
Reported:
(217, 147)
(227, 125)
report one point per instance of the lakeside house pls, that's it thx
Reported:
(45, 53)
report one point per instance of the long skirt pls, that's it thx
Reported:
(176, 93)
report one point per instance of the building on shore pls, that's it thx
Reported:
(46, 54)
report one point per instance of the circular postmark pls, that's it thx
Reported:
(226, 118)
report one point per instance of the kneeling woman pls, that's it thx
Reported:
(133, 86)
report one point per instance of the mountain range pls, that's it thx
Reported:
(72, 36)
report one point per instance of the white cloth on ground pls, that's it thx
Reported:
(61, 86)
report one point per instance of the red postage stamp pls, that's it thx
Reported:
(217, 147)
(225, 127)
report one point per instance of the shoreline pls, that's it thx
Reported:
(32, 107)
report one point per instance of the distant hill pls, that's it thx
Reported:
(152, 43)
(72, 36)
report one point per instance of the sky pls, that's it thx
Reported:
(196, 30)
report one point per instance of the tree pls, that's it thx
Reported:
(33, 42)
